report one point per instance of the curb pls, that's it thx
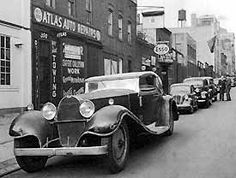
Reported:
(8, 166)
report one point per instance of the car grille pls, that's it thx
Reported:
(178, 99)
(70, 123)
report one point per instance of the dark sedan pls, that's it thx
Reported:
(202, 90)
(113, 110)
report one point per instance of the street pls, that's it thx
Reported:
(202, 146)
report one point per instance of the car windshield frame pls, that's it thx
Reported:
(195, 82)
(179, 89)
(127, 83)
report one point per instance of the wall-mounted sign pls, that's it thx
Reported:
(161, 49)
(73, 70)
(48, 18)
(166, 58)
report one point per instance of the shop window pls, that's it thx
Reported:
(71, 8)
(129, 32)
(110, 21)
(89, 11)
(112, 66)
(51, 3)
(120, 27)
(5, 54)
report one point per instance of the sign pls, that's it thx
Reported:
(166, 58)
(48, 18)
(73, 70)
(161, 49)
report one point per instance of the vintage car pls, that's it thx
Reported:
(113, 110)
(202, 90)
(184, 96)
(233, 81)
(212, 87)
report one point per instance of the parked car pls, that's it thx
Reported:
(233, 81)
(212, 87)
(202, 90)
(113, 110)
(184, 96)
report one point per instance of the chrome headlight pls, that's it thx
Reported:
(203, 94)
(49, 111)
(186, 97)
(87, 109)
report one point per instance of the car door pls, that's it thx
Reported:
(151, 98)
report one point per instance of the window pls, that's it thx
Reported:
(112, 66)
(120, 27)
(89, 11)
(5, 54)
(110, 21)
(129, 32)
(71, 8)
(129, 66)
(51, 3)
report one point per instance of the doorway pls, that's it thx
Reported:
(44, 74)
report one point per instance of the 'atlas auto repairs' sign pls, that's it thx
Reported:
(49, 18)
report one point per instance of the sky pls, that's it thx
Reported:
(224, 10)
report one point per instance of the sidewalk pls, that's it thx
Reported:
(7, 159)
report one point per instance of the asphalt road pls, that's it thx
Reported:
(203, 146)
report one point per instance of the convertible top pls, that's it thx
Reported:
(122, 76)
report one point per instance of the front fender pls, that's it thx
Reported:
(107, 119)
(34, 124)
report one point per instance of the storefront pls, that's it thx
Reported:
(64, 53)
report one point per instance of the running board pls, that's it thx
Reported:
(157, 129)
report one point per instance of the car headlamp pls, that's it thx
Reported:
(30, 107)
(203, 94)
(197, 90)
(87, 109)
(186, 97)
(49, 111)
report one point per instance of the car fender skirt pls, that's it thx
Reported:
(32, 123)
(107, 119)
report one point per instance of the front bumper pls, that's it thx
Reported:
(202, 100)
(63, 151)
(183, 107)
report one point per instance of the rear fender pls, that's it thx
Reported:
(32, 123)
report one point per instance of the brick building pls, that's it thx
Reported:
(73, 40)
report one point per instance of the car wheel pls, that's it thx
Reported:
(207, 104)
(29, 163)
(191, 110)
(196, 107)
(118, 149)
(215, 98)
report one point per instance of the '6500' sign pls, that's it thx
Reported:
(161, 49)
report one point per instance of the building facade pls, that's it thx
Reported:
(73, 40)
(227, 53)
(117, 21)
(204, 30)
(15, 53)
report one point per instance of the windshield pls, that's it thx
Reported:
(131, 84)
(179, 90)
(195, 82)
